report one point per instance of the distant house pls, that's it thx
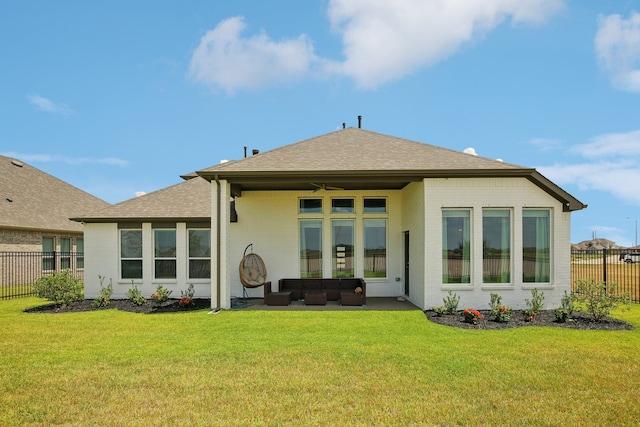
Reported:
(35, 209)
(412, 219)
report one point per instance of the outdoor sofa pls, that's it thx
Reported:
(322, 290)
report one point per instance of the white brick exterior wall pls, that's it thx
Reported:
(270, 221)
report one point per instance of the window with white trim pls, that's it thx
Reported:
(496, 246)
(456, 246)
(131, 253)
(536, 245)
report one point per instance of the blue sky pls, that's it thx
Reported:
(122, 97)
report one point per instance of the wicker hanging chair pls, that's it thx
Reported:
(253, 272)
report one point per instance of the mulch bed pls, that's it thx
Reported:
(124, 305)
(545, 318)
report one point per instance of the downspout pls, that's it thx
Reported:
(218, 229)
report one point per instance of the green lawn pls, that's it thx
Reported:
(308, 368)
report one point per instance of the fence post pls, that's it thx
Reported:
(604, 268)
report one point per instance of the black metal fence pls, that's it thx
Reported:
(20, 270)
(620, 266)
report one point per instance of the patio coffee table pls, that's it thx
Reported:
(315, 298)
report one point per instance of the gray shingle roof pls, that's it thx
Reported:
(354, 149)
(34, 200)
(188, 200)
(354, 158)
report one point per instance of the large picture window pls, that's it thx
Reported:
(496, 246)
(164, 253)
(199, 253)
(311, 248)
(536, 247)
(375, 248)
(342, 247)
(456, 246)
(131, 254)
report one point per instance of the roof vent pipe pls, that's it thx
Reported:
(344, 125)
(254, 151)
(359, 122)
(245, 151)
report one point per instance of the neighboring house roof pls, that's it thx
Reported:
(189, 200)
(354, 159)
(35, 200)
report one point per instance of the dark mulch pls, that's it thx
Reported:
(124, 305)
(545, 318)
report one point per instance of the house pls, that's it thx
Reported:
(412, 219)
(35, 210)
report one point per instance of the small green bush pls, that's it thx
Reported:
(451, 302)
(135, 295)
(564, 312)
(534, 305)
(439, 310)
(104, 298)
(499, 312)
(186, 297)
(160, 295)
(60, 287)
(599, 298)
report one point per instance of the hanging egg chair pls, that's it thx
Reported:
(253, 272)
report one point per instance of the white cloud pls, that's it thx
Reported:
(44, 104)
(611, 145)
(54, 158)
(618, 178)
(617, 45)
(386, 40)
(612, 164)
(227, 60)
(546, 144)
(382, 40)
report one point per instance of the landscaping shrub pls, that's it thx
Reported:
(186, 297)
(599, 298)
(534, 305)
(439, 310)
(104, 298)
(451, 302)
(60, 287)
(499, 312)
(563, 313)
(135, 295)
(472, 315)
(160, 295)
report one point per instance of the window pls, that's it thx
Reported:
(48, 254)
(342, 206)
(131, 254)
(310, 206)
(496, 246)
(375, 248)
(375, 205)
(80, 253)
(536, 248)
(199, 253)
(342, 247)
(456, 246)
(164, 253)
(311, 248)
(65, 253)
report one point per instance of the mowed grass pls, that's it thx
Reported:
(308, 368)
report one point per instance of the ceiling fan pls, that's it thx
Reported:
(324, 187)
